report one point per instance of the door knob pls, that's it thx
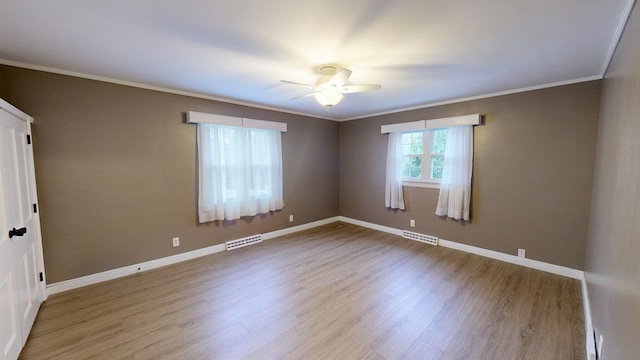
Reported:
(17, 232)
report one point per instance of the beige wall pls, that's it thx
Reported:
(116, 171)
(613, 249)
(533, 169)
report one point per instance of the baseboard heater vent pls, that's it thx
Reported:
(432, 240)
(238, 243)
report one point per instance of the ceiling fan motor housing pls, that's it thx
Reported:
(329, 88)
(328, 69)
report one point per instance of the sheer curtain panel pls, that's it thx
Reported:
(455, 187)
(393, 197)
(240, 172)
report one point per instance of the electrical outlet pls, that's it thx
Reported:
(521, 253)
(290, 218)
(412, 223)
(176, 241)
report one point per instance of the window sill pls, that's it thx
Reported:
(421, 184)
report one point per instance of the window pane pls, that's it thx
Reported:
(406, 138)
(416, 147)
(406, 170)
(412, 143)
(439, 141)
(406, 149)
(411, 167)
(241, 172)
(437, 161)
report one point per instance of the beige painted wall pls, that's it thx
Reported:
(116, 171)
(613, 248)
(533, 169)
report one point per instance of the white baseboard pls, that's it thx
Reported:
(71, 284)
(530, 263)
(539, 265)
(369, 225)
(590, 342)
(295, 229)
(66, 285)
(135, 268)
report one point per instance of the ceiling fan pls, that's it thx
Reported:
(331, 85)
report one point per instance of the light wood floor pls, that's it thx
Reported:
(334, 292)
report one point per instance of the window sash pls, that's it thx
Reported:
(240, 172)
(425, 157)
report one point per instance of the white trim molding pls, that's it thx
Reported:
(369, 225)
(534, 264)
(426, 105)
(169, 260)
(530, 263)
(404, 126)
(156, 88)
(478, 97)
(71, 284)
(194, 117)
(15, 111)
(463, 120)
(66, 285)
(590, 342)
(622, 22)
(295, 229)
(473, 119)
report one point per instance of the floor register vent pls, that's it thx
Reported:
(238, 243)
(432, 240)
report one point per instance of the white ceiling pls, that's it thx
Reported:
(423, 52)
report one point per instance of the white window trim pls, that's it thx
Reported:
(430, 144)
(212, 195)
(432, 124)
(424, 183)
(194, 117)
(473, 119)
(421, 184)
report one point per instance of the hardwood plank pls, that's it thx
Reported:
(421, 350)
(337, 291)
(404, 334)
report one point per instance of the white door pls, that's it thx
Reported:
(21, 290)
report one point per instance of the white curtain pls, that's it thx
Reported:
(393, 187)
(240, 172)
(455, 187)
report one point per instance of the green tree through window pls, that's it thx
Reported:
(423, 153)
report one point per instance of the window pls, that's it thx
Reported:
(240, 171)
(435, 153)
(423, 155)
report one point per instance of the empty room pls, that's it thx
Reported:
(322, 179)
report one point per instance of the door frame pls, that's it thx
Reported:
(32, 179)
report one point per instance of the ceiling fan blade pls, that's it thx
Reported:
(340, 78)
(297, 83)
(303, 96)
(358, 88)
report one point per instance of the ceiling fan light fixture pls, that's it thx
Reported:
(330, 86)
(328, 99)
